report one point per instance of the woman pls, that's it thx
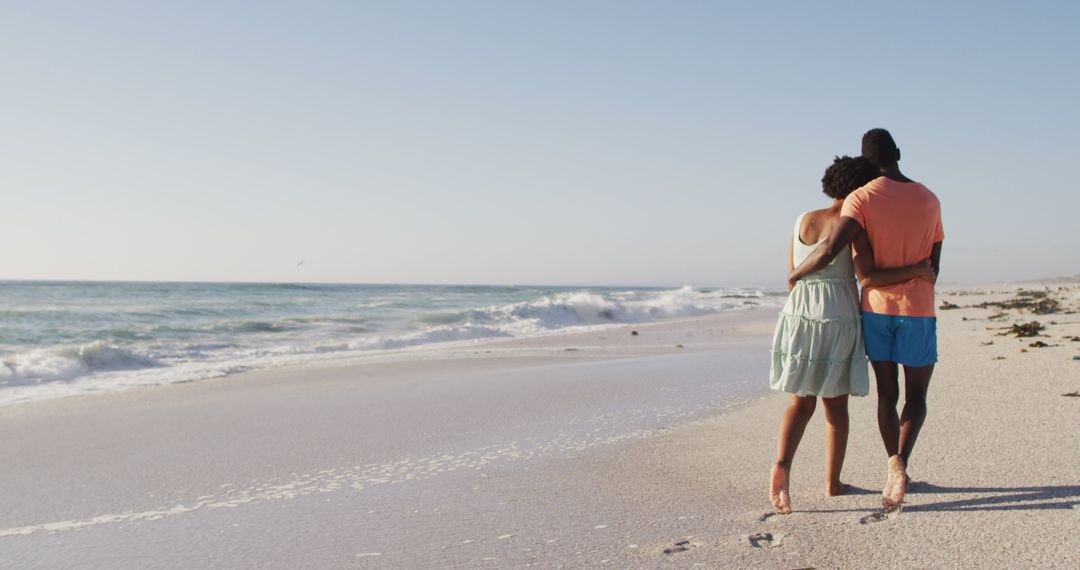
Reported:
(818, 347)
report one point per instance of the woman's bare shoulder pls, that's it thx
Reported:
(817, 224)
(824, 215)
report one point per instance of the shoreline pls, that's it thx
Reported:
(627, 451)
(116, 380)
(543, 345)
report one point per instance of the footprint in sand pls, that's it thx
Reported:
(880, 515)
(764, 540)
(681, 546)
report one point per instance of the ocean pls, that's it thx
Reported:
(66, 338)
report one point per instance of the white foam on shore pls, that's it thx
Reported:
(66, 363)
(98, 366)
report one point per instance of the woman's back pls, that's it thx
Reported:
(817, 346)
(813, 228)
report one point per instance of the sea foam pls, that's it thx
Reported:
(66, 363)
(69, 338)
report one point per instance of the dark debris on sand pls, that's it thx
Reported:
(1038, 302)
(1072, 395)
(1025, 330)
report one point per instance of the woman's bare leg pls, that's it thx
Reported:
(792, 426)
(836, 437)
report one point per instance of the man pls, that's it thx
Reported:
(897, 221)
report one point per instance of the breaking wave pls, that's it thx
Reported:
(67, 363)
(164, 333)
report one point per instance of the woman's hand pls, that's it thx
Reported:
(791, 282)
(928, 273)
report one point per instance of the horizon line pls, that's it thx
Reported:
(372, 283)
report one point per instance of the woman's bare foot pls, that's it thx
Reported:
(834, 489)
(896, 486)
(778, 490)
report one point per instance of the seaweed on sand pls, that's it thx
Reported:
(1025, 330)
(1038, 302)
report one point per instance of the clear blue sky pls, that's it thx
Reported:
(502, 142)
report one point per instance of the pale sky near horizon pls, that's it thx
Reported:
(622, 143)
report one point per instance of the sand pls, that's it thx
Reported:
(591, 449)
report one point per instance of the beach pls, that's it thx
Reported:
(640, 445)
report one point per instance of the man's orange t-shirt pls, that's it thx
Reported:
(902, 221)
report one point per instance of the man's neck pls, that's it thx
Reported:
(893, 173)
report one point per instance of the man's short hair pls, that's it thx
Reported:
(879, 148)
(847, 174)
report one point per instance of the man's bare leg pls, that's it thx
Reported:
(836, 437)
(792, 426)
(916, 384)
(888, 388)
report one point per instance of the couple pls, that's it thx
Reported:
(886, 228)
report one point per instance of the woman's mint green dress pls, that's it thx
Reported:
(818, 344)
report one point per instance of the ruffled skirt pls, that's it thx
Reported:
(818, 345)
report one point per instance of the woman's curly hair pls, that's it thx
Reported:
(846, 174)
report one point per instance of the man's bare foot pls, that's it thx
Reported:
(886, 492)
(778, 490)
(834, 489)
(896, 486)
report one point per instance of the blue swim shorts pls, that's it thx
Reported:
(911, 341)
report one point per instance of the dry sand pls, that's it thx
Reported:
(584, 450)
(995, 481)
